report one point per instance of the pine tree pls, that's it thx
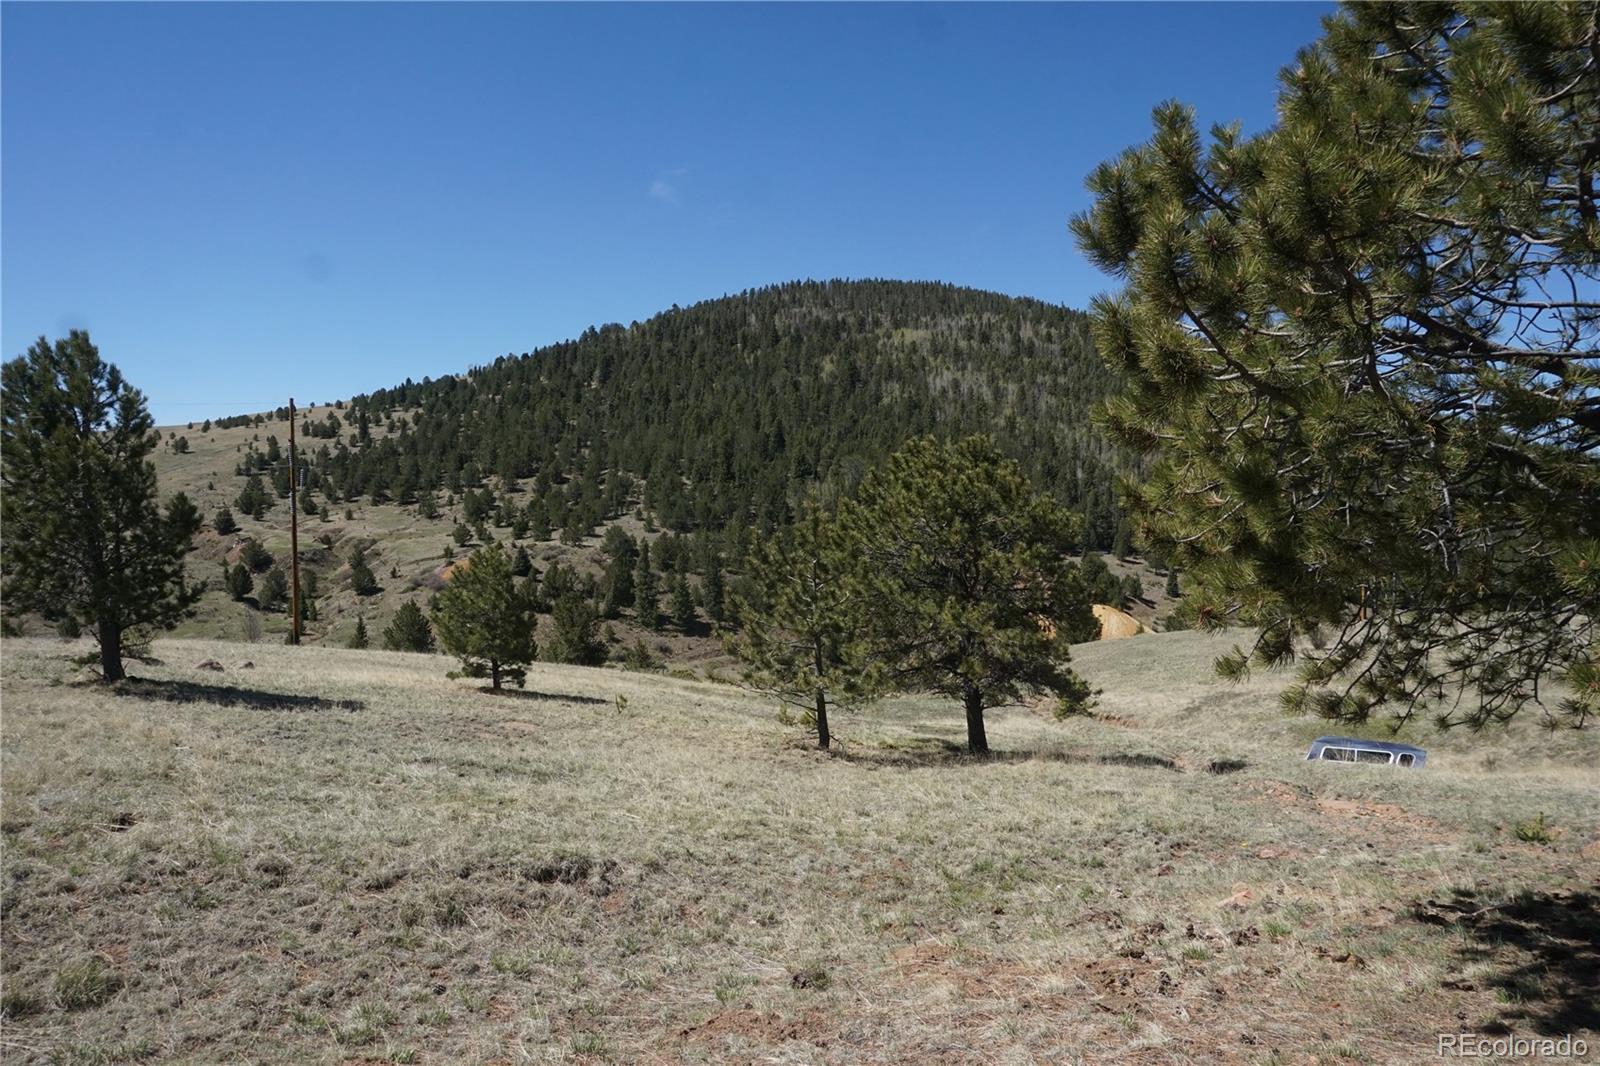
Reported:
(254, 499)
(714, 592)
(521, 563)
(1172, 585)
(1099, 583)
(362, 581)
(801, 619)
(622, 553)
(965, 565)
(576, 632)
(239, 581)
(408, 630)
(1122, 543)
(85, 536)
(646, 591)
(224, 522)
(683, 605)
(308, 596)
(481, 618)
(274, 589)
(358, 639)
(254, 555)
(1362, 346)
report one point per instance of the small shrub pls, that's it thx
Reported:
(1535, 831)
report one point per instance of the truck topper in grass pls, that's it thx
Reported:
(1375, 752)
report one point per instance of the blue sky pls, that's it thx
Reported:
(243, 200)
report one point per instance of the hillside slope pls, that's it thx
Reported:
(692, 430)
(331, 856)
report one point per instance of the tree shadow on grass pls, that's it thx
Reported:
(929, 752)
(543, 697)
(229, 696)
(1542, 950)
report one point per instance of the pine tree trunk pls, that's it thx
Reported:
(111, 651)
(494, 674)
(977, 738)
(822, 720)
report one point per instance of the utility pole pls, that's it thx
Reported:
(294, 535)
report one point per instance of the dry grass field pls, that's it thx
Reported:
(347, 857)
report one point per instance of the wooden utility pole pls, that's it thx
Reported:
(294, 535)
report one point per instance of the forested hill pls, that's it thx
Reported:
(727, 410)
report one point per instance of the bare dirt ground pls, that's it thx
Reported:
(346, 857)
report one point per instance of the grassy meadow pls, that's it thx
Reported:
(329, 856)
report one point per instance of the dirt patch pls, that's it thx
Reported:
(1358, 817)
(812, 1026)
(1115, 624)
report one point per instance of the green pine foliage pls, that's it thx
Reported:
(705, 416)
(1099, 582)
(274, 589)
(254, 499)
(255, 556)
(622, 555)
(575, 632)
(684, 609)
(239, 582)
(1362, 347)
(358, 639)
(482, 618)
(224, 522)
(362, 581)
(85, 535)
(801, 617)
(965, 564)
(714, 593)
(646, 591)
(408, 630)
